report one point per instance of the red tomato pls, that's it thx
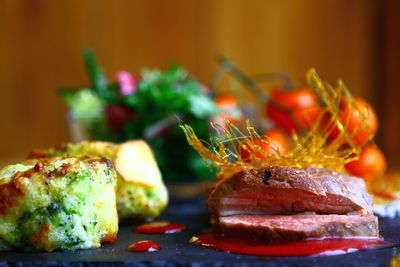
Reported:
(359, 120)
(293, 110)
(370, 165)
(228, 104)
(278, 141)
(272, 140)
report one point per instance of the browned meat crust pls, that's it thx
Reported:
(296, 227)
(285, 190)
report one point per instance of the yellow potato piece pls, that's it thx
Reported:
(135, 162)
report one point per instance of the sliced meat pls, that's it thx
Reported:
(297, 227)
(284, 190)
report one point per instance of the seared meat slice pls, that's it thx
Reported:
(265, 204)
(296, 227)
(284, 190)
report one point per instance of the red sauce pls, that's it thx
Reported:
(144, 246)
(329, 246)
(160, 228)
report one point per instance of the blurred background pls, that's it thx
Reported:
(41, 43)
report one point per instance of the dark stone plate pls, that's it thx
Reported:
(176, 250)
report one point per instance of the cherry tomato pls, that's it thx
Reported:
(293, 110)
(358, 119)
(226, 102)
(371, 164)
(278, 141)
(272, 140)
(229, 109)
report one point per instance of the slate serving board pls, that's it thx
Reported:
(176, 250)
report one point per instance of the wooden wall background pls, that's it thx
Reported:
(41, 43)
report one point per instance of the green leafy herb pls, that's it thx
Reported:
(97, 78)
(152, 111)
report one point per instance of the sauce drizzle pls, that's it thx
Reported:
(328, 246)
(144, 246)
(160, 228)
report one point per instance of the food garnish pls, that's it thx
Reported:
(146, 105)
(314, 147)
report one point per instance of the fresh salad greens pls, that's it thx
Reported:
(148, 106)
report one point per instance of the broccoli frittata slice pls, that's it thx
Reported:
(59, 203)
(141, 193)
